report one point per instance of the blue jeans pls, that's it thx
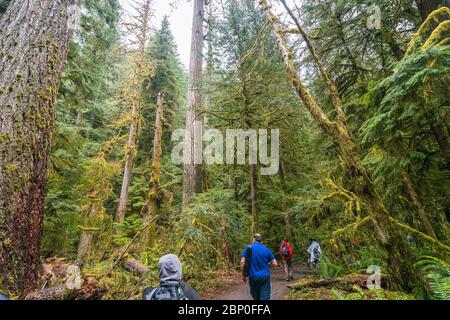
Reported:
(260, 288)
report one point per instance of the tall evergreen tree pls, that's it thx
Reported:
(167, 79)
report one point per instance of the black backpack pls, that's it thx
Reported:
(167, 292)
(285, 251)
(248, 261)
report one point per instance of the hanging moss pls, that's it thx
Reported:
(425, 31)
(439, 35)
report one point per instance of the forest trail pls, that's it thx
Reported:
(240, 291)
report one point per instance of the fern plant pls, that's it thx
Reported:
(437, 273)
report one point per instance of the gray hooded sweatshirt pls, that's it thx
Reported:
(170, 272)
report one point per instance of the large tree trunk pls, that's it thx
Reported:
(153, 200)
(208, 84)
(428, 6)
(253, 198)
(129, 160)
(193, 180)
(400, 261)
(34, 38)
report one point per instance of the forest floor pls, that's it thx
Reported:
(233, 288)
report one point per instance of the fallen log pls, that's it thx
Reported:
(313, 284)
(135, 267)
(90, 290)
(53, 293)
(346, 282)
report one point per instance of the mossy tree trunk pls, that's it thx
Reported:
(34, 39)
(153, 200)
(400, 260)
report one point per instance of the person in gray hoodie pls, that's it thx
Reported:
(171, 286)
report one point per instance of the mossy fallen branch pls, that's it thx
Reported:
(88, 229)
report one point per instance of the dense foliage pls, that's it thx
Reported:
(394, 83)
(397, 104)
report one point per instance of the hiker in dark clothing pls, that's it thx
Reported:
(171, 287)
(286, 255)
(255, 264)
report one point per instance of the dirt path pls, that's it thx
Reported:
(238, 290)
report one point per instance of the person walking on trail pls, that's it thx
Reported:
(171, 286)
(314, 253)
(286, 255)
(255, 265)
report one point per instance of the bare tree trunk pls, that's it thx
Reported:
(34, 38)
(192, 183)
(129, 160)
(140, 28)
(287, 219)
(152, 203)
(428, 6)
(208, 79)
(253, 197)
(400, 261)
(424, 218)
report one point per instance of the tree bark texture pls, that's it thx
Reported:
(193, 180)
(34, 39)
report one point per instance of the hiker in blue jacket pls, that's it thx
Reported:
(255, 265)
